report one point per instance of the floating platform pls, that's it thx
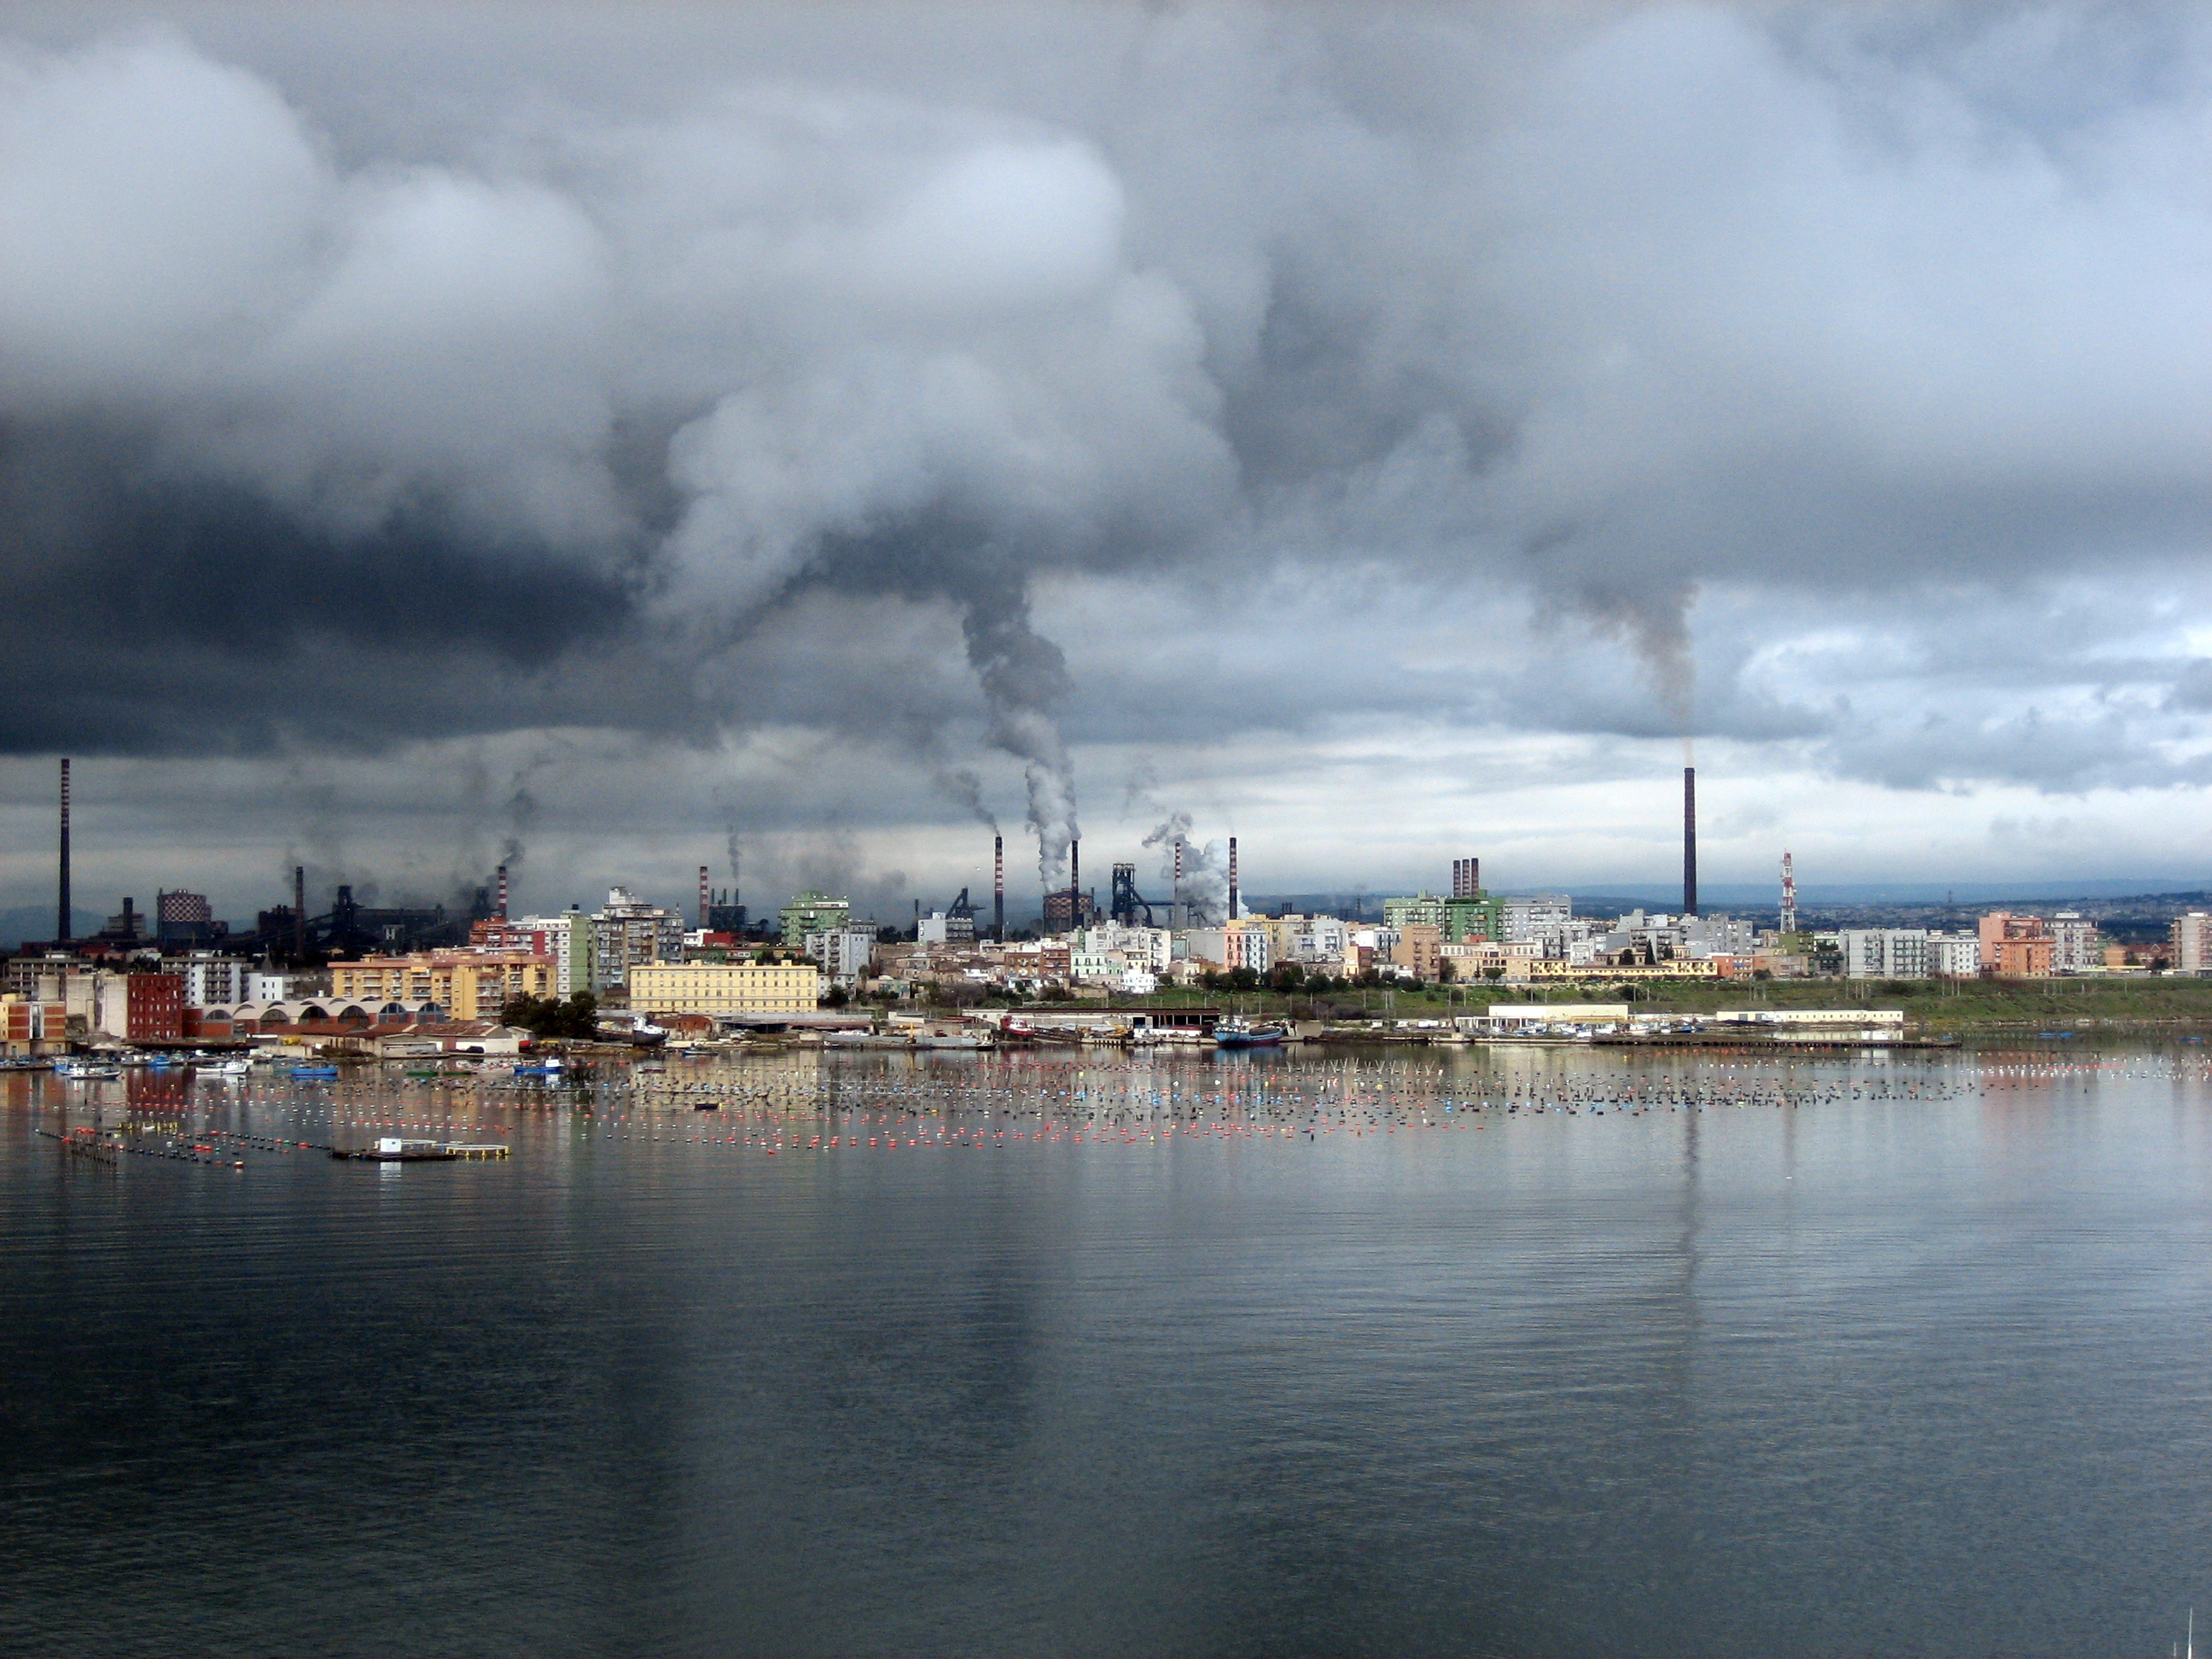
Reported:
(391, 1150)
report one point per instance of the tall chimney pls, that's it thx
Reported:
(1074, 882)
(706, 898)
(300, 912)
(501, 911)
(1689, 840)
(1232, 879)
(998, 888)
(66, 929)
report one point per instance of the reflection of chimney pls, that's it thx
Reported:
(65, 930)
(706, 898)
(998, 888)
(1232, 879)
(300, 912)
(501, 911)
(1689, 840)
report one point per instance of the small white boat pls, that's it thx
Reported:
(86, 1071)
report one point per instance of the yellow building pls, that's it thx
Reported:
(466, 986)
(725, 988)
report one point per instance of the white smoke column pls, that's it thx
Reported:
(1022, 675)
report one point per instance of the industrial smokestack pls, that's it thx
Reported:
(1232, 879)
(1075, 883)
(1689, 840)
(300, 912)
(706, 898)
(501, 911)
(64, 929)
(998, 888)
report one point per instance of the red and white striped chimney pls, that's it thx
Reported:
(501, 912)
(706, 898)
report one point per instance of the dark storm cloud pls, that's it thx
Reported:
(550, 370)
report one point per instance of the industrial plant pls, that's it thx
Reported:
(177, 974)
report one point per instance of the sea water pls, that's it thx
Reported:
(1511, 1349)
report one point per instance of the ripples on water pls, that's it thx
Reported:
(1829, 1356)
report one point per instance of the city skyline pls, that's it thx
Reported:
(1376, 438)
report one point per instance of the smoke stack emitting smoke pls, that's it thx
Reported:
(300, 912)
(1232, 879)
(63, 930)
(1689, 840)
(998, 888)
(706, 899)
(500, 911)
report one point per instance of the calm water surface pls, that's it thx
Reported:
(1909, 1362)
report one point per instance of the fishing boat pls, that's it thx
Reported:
(312, 1073)
(1243, 1033)
(86, 1071)
(239, 1066)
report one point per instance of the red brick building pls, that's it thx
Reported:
(154, 1008)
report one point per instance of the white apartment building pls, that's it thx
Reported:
(568, 939)
(1538, 919)
(2191, 937)
(627, 933)
(1884, 952)
(1143, 947)
(1321, 940)
(209, 978)
(280, 987)
(2074, 946)
(845, 954)
(1954, 956)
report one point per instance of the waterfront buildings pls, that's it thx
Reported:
(725, 988)
(465, 984)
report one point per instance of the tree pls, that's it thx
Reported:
(550, 1017)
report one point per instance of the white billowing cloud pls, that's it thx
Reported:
(1796, 353)
(154, 205)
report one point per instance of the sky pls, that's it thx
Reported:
(624, 437)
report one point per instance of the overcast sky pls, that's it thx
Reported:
(623, 433)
